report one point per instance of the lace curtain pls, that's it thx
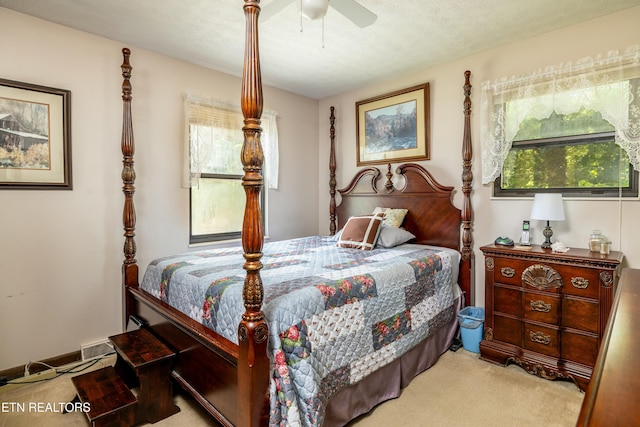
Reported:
(608, 84)
(207, 121)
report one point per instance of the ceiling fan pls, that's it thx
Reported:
(317, 9)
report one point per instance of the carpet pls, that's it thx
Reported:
(459, 390)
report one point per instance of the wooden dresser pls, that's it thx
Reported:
(547, 312)
(613, 396)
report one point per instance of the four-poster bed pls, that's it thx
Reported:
(235, 376)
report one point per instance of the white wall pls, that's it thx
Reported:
(496, 217)
(61, 251)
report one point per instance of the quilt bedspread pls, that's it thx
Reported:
(334, 314)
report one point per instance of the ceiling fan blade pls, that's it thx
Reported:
(355, 12)
(274, 7)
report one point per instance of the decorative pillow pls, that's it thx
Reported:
(393, 236)
(392, 217)
(361, 232)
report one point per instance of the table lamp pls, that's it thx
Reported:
(547, 207)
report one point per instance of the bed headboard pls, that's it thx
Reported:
(432, 217)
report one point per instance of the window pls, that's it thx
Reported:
(214, 170)
(574, 129)
(574, 154)
(217, 202)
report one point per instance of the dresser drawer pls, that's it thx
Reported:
(541, 339)
(581, 282)
(579, 347)
(508, 330)
(581, 314)
(507, 300)
(542, 308)
(509, 271)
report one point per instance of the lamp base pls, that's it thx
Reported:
(547, 233)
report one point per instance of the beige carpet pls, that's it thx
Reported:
(458, 390)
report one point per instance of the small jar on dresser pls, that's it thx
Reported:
(545, 311)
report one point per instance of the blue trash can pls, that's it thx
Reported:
(471, 320)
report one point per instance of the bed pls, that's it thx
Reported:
(251, 362)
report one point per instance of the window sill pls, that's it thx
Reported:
(221, 243)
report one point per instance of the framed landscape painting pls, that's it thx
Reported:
(35, 140)
(393, 127)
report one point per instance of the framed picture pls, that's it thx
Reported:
(393, 127)
(35, 137)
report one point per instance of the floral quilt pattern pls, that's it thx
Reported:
(335, 314)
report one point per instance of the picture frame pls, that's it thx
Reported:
(35, 137)
(393, 127)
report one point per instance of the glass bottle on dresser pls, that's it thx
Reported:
(595, 240)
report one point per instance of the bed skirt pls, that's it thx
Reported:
(387, 382)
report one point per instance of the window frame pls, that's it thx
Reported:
(229, 235)
(572, 192)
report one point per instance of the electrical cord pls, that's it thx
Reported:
(28, 365)
(60, 371)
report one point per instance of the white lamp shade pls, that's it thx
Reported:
(548, 207)
(314, 9)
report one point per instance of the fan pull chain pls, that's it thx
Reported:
(323, 32)
(301, 16)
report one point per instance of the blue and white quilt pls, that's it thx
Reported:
(334, 314)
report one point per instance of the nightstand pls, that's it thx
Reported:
(545, 311)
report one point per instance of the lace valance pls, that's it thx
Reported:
(608, 84)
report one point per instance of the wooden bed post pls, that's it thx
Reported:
(468, 267)
(332, 174)
(253, 331)
(129, 264)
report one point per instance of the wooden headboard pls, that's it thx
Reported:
(432, 217)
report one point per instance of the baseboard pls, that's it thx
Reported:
(62, 360)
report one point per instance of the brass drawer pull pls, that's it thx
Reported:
(540, 306)
(508, 272)
(580, 282)
(540, 338)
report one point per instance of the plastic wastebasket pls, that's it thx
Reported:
(471, 320)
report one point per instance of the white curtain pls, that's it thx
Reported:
(215, 121)
(604, 84)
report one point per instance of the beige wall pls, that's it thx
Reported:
(61, 251)
(496, 217)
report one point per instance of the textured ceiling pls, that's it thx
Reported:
(408, 35)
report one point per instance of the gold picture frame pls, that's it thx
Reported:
(35, 137)
(393, 127)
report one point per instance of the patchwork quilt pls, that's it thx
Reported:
(334, 314)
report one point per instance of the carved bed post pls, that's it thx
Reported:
(332, 174)
(467, 216)
(129, 264)
(253, 332)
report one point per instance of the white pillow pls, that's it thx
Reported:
(393, 236)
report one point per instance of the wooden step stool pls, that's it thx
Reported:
(142, 361)
(111, 402)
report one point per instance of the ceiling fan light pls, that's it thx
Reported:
(314, 9)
